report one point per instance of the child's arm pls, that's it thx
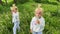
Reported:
(18, 17)
(43, 22)
(31, 25)
(12, 17)
(37, 22)
(42, 25)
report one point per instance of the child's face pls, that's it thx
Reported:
(38, 13)
(14, 10)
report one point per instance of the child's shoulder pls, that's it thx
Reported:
(34, 17)
(42, 18)
(17, 12)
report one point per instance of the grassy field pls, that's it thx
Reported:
(26, 12)
(7, 1)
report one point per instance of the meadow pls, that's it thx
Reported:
(26, 12)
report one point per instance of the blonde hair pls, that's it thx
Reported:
(39, 8)
(14, 7)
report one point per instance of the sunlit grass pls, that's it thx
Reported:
(7, 1)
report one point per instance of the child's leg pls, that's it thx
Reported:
(34, 32)
(39, 32)
(14, 29)
(18, 27)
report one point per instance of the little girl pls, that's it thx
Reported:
(37, 22)
(15, 18)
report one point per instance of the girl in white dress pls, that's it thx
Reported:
(15, 18)
(37, 22)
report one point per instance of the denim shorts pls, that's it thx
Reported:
(36, 32)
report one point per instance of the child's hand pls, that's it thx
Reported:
(30, 31)
(37, 22)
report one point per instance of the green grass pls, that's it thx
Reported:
(7, 1)
(26, 12)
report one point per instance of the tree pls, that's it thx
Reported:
(6, 1)
(58, 0)
(15, 1)
(0, 1)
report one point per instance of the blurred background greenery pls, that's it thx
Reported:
(26, 10)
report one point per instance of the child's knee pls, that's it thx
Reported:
(14, 28)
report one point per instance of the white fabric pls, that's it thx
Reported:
(16, 26)
(15, 20)
(15, 17)
(37, 27)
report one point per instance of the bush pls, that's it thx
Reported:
(58, 0)
(26, 12)
(22, 1)
(39, 1)
(1, 7)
